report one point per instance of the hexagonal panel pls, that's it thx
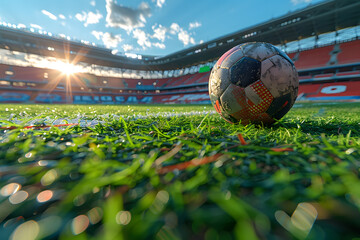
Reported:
(259, 50)
(245, 71)
(279, 76)
(219, 80)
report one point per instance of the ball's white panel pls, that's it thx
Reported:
(259, 51)
(279, 76)
(229, 100)
(252, 95)
(232, 58)
(219, 80)
(266, 65)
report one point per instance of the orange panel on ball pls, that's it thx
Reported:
(265, 96)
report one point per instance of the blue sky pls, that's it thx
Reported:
(153, 27)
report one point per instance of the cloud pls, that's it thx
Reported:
(193, 25)
(62, 16)
(127, 47)
(183, 35)
(110, 40)
(159, 3)
(159, 32)
(185, 38)
(159, 45)
(93, 3)
(49, 14)
(35, 26)
(142, 38)
(125, 17)
(89, 18)
(21, 25)
(296, 2)
(174, 28)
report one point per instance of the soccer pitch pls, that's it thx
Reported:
(178, 172)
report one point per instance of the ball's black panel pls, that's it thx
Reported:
(245, 72)
(280, 106)
(281, 53)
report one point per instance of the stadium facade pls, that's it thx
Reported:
(322, 39)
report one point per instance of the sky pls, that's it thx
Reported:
(146, 27)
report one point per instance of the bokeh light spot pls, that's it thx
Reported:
(44, 196)
(28, 230)
(49, 177)
(79, 224)
(10, 189)
(123, 217)
(18, 197)
(95, 215)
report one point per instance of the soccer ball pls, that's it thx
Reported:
(253, 82)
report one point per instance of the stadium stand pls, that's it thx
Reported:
(28, 73)
(318, 57)
(349, 52)
(204, 78)
(32, 79)
(330, 91)
(331, 58)
(351, 73)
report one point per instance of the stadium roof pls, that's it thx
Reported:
(316, 19)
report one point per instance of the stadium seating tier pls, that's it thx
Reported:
(31, 84)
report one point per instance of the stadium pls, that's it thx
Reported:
(99, 144)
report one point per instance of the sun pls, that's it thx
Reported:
(68, 68)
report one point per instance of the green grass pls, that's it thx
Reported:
(104, 178)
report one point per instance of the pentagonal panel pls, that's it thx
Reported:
(279, 76)
(280, 106)
(259, 51)
(219, 80)
(245, 71)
